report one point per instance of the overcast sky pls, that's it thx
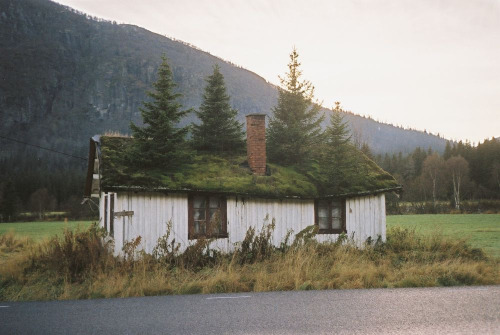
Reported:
(426, 64)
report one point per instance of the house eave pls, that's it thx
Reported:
(191, 190)
(396, 189)
(243, 194)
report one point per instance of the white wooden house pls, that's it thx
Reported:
(221, 197)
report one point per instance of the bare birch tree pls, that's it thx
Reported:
(459, 171)
(433, 168)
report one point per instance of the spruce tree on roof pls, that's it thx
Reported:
(338, 133)
(295, 128)
(337, 160)
(219, 131)
(160, 143)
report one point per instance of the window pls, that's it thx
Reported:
(330, 216)
(206, 216)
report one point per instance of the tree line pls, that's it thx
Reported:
(35, 183)
(462, 172)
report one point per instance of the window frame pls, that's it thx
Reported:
(223, 210)
(340, 230)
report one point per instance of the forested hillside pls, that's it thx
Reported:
(65, 76)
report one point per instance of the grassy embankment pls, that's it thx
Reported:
(78, 266)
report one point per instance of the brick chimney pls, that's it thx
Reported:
(256, 143)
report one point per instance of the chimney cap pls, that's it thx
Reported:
(256, 114)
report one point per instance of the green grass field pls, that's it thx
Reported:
(481, 230)
(42, 230)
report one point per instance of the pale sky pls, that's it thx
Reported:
(424, 64)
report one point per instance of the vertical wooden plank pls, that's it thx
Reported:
(136, 229)
(350, 217)
(383, 216)
(118, 223)
(127, 227)
(347, 216)
(101, 210)
(224, 214)
(151, 218)
(344, 218)
(367, 223)
(139, 229)
(362, 223)
(112, 214)
(359, 214)
(354, 219)
(106, 212)
(125, 198)
(153, 225)
(231, 228)
(373, 201)
(164, 217)
(380, 215)
(376, 216)
(190, 216)
(235, 220)
(368, 216)
(281, 222)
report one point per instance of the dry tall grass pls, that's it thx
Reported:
(80, 265)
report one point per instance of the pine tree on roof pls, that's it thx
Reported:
(338, 160)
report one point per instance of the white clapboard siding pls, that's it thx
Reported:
(365, 216)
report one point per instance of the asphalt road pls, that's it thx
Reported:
(467, 310)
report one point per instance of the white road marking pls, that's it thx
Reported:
(239, 297)
(4, 306)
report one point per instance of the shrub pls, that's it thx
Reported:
(257, 247)
(305, 236)
(198, 256)
(166, 251)
(9, 242)
(75, 255)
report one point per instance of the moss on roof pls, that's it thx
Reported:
(230, 175)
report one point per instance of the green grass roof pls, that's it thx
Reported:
(231, 175)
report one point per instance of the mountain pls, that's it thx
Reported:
(65, 76)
